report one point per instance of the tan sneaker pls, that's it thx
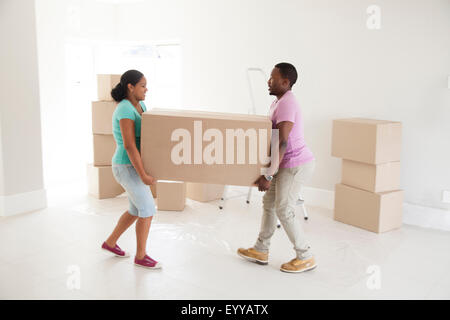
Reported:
(297, 265)
(253, 255)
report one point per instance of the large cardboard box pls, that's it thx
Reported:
(204, 192)
(105, 83)
(104, 148)
(101, 182)
(375, 178)
(376, 212)
(367, 140)
(102, 112)
(171, 195)
(195, 146)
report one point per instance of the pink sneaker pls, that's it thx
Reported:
(147, 262)
(116, 250)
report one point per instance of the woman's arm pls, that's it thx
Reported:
(129, 143)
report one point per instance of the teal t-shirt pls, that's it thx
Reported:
(125, 110)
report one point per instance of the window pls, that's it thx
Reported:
(160, 63)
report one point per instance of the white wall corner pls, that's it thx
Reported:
(23, 202)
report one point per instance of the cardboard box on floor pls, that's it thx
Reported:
(375, 178)
(104, 148)
(160, 126)
(376, 212)
(204, 192)
(367, 140)
(171, 195)
(105, 83)
(102, 112)
(101, 182)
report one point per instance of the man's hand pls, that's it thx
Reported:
(262, 183)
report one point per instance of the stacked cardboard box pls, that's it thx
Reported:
(204, 192)
(101, 180)
(369, 194)
(171, 195)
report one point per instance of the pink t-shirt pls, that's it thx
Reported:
(288, 109)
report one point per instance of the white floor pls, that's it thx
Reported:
(44, 253)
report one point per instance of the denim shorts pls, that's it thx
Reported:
(140, 197)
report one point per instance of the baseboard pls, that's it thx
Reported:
(426, 217)
(318, 197)
(22, 202)
(421, 216)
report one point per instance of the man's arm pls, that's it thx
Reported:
(284, 129)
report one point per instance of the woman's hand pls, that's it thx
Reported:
(148, 180)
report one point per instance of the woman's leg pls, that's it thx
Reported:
(142, 230)
(125, 221)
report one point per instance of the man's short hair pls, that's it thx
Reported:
(288, 71)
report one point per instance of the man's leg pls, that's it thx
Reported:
(268, 220)
(259, 253)
(290, 181)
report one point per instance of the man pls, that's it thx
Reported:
(282, 184)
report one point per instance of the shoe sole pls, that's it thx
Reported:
(299, 271)
(158, 266)
(261, 262)
(116, 255)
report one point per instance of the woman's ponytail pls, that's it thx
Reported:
(119, 92)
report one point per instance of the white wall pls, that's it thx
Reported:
(2, 178)
(397, 73)
(20, 144)
(60, 21)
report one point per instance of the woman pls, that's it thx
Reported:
(128, 169)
